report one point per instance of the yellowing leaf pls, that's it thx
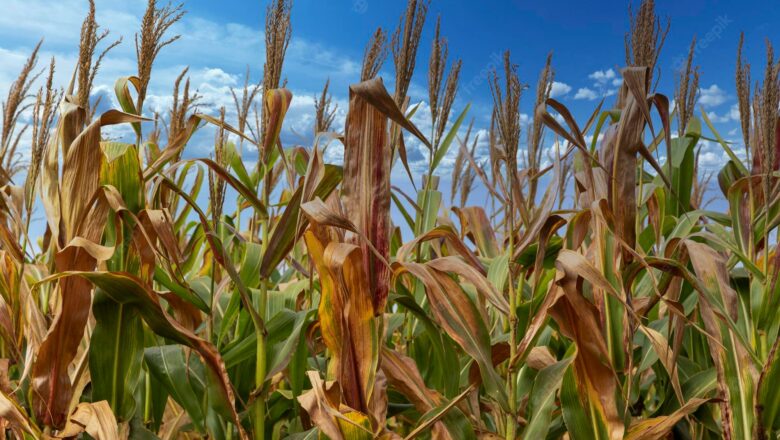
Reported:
(347, 318)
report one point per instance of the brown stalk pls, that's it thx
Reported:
(438, 85)
(86, 69)
(646, 37)
(436, 66)
(700, 184)
(153, 138)
(495, 157)
(248, 95)
(743, 96)
(467, 181)
(151, 39)
(567, 168)
(277, 37)
(183, 105)
(533, 157)
(324, 111)
(687, 91)
(404, 44)
(506, 105)
(256, 127)
(217, 186)
(154, 135)
(374, 55)
(460, 161)
(506, 111)
(13, 106)
(766, 103)
(767, 121)
(43, 121)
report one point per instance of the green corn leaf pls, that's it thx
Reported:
(444, 146)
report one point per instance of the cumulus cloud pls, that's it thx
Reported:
(204, 44)
(730, 116)
(559, 89)
(586, 93)
(218, 75)
(602, 76)
(712, 96)
(710, 159)
(603, 83)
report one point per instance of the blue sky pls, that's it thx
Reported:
(585, 38)
(221, 38)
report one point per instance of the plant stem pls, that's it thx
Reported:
(259, 418)
(147, 397)
(511, 419)
(210, 322)
(260, 365)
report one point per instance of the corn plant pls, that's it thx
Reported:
(173, 296)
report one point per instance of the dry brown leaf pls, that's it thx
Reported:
(540, 357)
(50, 377)
(578, 320)
(658, 428)
(96, 419)
(17, 421)
(366, 186)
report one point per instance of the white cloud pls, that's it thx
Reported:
(219, 76)
(60, 21)
(712, 96)
(603, 83)
(586, 93)
(559, 89)
(602, 76)
(710, 159)
(204, 44)
(731, 115)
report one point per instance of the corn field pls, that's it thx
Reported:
(591, 295)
